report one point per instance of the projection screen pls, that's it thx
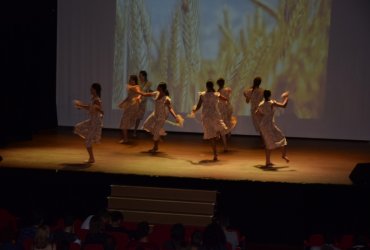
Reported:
(309, 48)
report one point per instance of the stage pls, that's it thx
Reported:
(183, 155)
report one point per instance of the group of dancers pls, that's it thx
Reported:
(216, 117)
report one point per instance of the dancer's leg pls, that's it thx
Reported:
(125, 135)
(91, 154)
(224, 142)
(283, 154)
(268, 157)
(155, 146)
(214, 148)
(137, 123)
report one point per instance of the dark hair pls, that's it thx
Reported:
(214, 237)
(116, 216)
(96, 86)
(145, 74)
(69, 220)
(221, 82)
(96, 225)
(196, 238)
(267, 94)
(163, 86)
(178, 232)
(256, 82)
(142, 230)
(209, 85)
(134, 78)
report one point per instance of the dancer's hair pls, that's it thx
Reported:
(256, 82)
(210, 86)
(163, 87)
(134, 78)
(144, 74)
(221, 83)
(267, 95)
(96, 86)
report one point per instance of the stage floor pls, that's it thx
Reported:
(187, 155)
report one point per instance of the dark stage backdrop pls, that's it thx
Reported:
(28, 58)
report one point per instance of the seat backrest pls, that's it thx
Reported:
(93, 247)
(121, 240)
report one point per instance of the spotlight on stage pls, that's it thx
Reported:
(360, 175)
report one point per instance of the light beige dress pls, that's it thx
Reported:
(226, 109)
(156, 120)
(90, 130)
(130, 107)
(142, 107)
(213, 125)
(271, 134)
(255, 98)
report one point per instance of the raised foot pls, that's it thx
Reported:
(285, 158)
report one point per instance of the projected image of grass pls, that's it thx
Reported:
(187, 42)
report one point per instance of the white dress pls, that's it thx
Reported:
(156, 120)
(272, 135)
(90, 129)
(130, 108)
(142, 107)
(213, 125)
(226, 110)
(255, 98)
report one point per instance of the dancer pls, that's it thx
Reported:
(272, 135)
(213, 125)
(155, 122)
(225, 107)
(145, 86)
(254, 96)
(130, 107)
(90, 130)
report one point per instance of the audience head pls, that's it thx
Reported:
(116, 218)
(178, 232)
(196, 238)
(42, 237)
(142, 230)
(96, 225)
(214, 237)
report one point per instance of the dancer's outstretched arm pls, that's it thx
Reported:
(80, 105)
(284, 103)
(171, 110)
(198, 105)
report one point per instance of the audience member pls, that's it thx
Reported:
(177, 240)
(97, 235)
(42, 240)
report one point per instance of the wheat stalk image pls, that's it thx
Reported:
(173, 73)
(120, 76)
(190, 39)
